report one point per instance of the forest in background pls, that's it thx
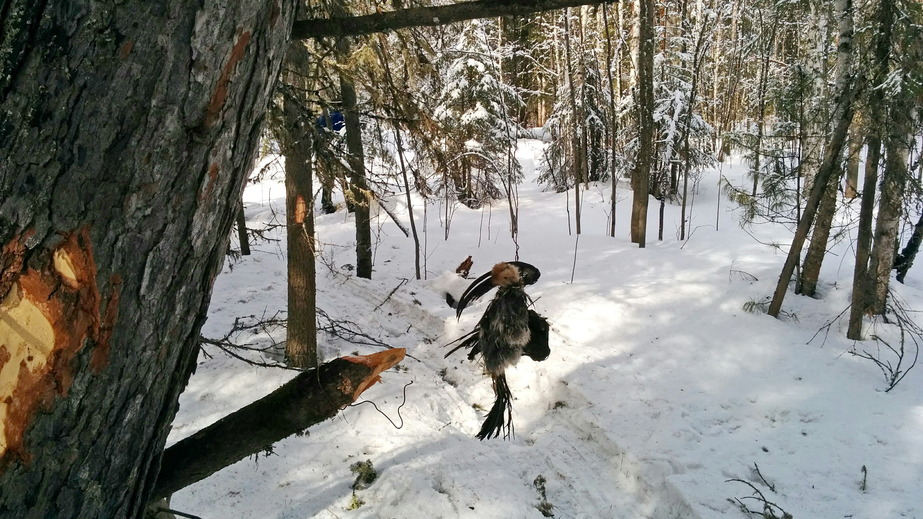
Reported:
(128, 131)
(650, 92)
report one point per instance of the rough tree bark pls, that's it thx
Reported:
(359, 191)
(888, 219)
(127, 131)
(640, 177)
(893, 121)
(297, 145)
(861, 285)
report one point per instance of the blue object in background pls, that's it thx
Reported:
(332, 121)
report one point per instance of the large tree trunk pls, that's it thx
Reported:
(128, 130)
(297, 145)
(641, 176)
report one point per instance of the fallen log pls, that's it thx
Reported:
(309, 398)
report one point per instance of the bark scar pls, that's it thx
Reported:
(50, 311)
(212, 180)
(220, 94)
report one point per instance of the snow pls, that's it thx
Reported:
(662, 397)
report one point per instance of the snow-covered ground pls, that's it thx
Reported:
(662, 397)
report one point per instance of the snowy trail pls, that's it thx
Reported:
(660, 388)
(557, 437)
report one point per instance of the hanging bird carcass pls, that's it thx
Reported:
(508, 330)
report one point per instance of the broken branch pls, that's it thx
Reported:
(309, 398)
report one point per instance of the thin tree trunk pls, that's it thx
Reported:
(893, 121)
(905, 259)
(413, 225)
(309, 398)
(614, 125)
(853, 147)
(829, 167)
(815, 122)
(697, 59)
(297, 145)
(861, 284)
(579, 151)
(761, 103)
(242, 231)
(640, 178)
(358, 185)
(817, 248)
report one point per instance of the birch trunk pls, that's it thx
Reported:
(845, 93)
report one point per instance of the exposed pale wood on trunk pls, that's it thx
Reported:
(127, 134)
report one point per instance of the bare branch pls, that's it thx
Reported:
(426, 17)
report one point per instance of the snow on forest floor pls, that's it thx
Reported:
(662, 397)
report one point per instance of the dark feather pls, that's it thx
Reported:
(469, 340)
(475, 290)
(537, 349)
(500, 418)
(507, 331)
(504, 329)
(526, 274)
